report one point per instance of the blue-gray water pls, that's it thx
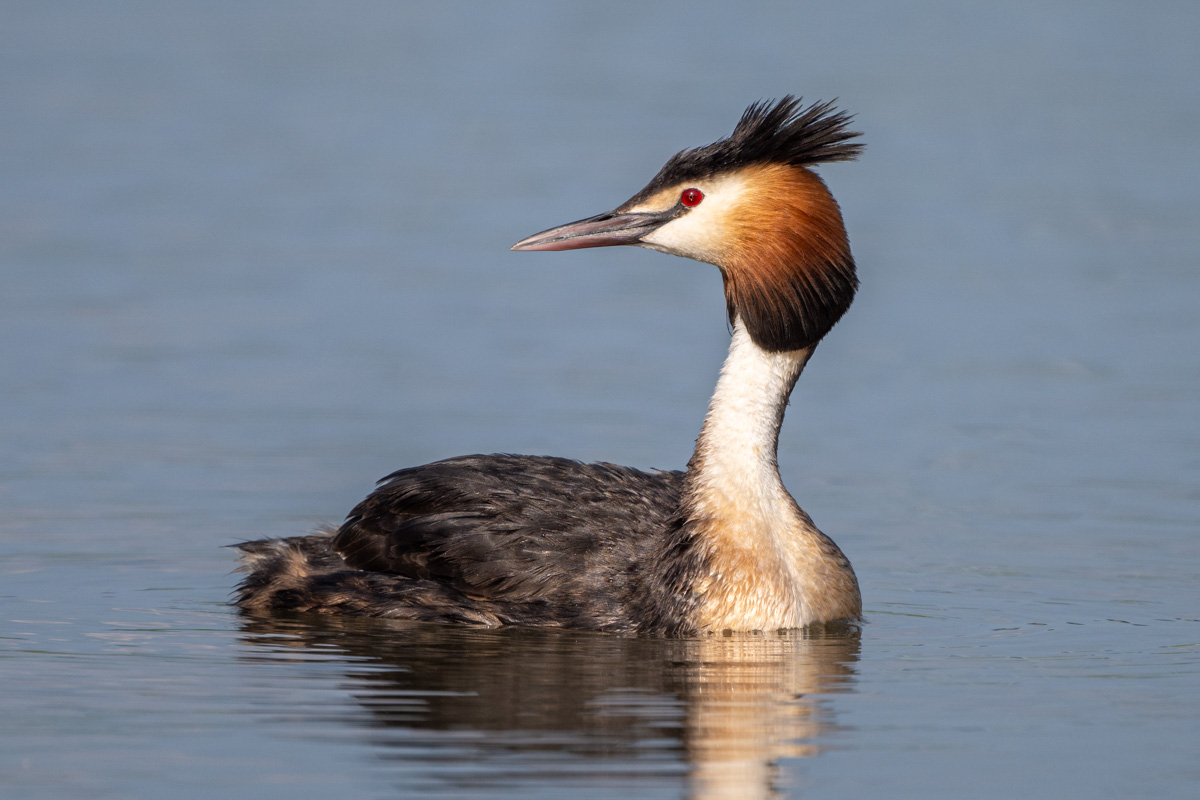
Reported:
(254, 256)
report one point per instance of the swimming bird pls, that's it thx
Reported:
(494, 540)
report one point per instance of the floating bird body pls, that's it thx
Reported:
(539, 541)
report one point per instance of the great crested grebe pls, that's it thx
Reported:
(497, 540)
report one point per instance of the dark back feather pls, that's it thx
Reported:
(515, 528)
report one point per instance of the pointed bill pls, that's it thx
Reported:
(603, 230)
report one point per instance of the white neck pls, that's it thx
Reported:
(769, 566)
(739, 442)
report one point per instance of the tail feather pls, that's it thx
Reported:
(305, 573)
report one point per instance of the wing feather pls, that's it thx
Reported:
(512, 528)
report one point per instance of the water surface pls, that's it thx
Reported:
(254, 258)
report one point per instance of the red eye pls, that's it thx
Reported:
(691, 197)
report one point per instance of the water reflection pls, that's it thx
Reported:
(721, 711)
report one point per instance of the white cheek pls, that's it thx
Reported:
(693, 235)
(700, 233)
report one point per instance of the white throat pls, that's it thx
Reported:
(738, 445)
(769, 567)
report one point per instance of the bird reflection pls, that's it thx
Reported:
(728, 709)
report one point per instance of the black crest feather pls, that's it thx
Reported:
(769, 132)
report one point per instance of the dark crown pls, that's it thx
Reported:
(782, 132)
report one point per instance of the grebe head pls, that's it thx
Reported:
(750, 205)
